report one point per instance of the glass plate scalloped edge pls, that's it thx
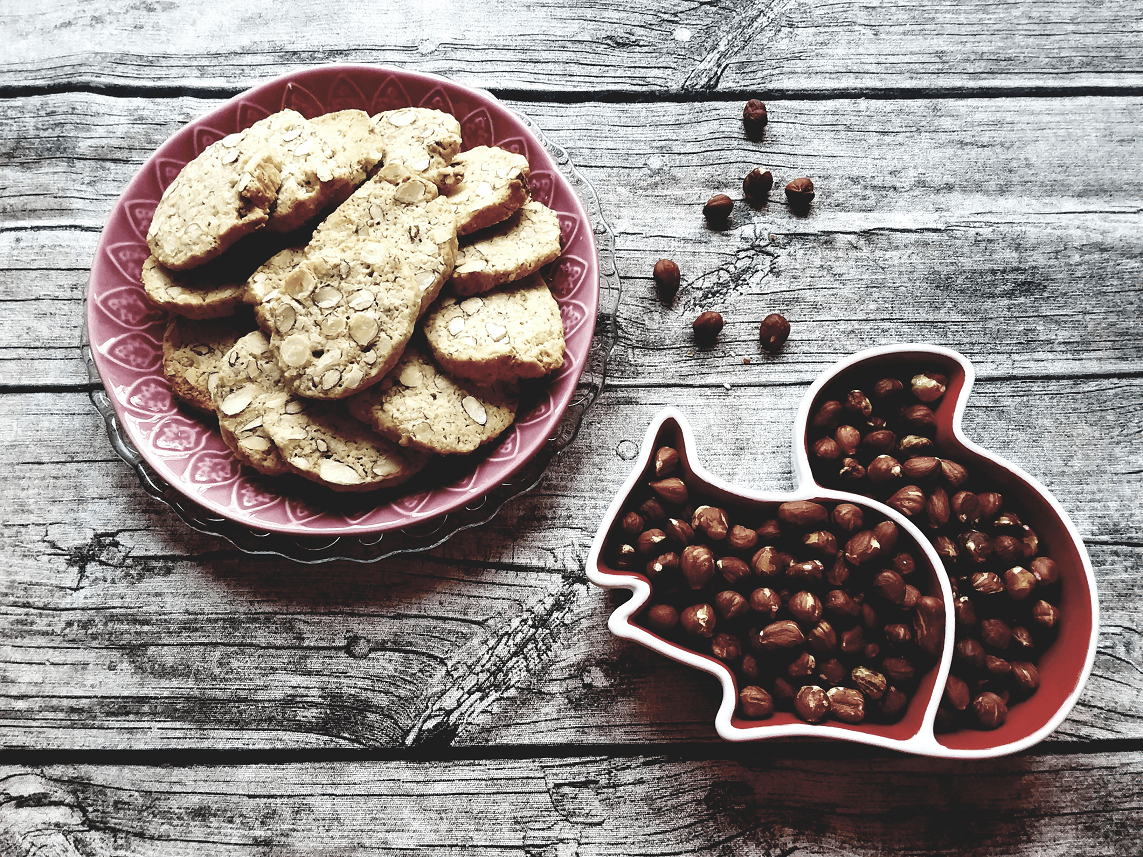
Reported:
(429, 534)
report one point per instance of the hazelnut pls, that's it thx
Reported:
(862, 548)
(887, 534)
(754, 118)
(995, 633)
(726, 647)
(1019, 583)
(679, 532)
(666, 461)
(990, 710)
(625, 556)
(869, 682)
(848, 516)
(915, 444)
(975, 546)
(697, 564)
(765, 602)
(937, 508)
(828, 416)
(805, 607)
(662, 564)
(848, 439)
(799, 193)
(904, 563)
(671, 490)
(773, 332)
(698, 620)
(632, 524)
(1045, 571)
(852, 641)
(953, 473)
(732, 569)
(822, 638)
(717, 209)
(884, 471)
(921, 467)
(899, 670)
(997, 667)
(1045, 615)
(971, 653)
(908, 501)
(811, 703)
(707, 327)
(929, 386)
(965, 611)
(802, 666)
(712, 522)
(803, 514)
(769, 530)
(858, 404)
(742, 538)
(880, 442)
(821, 542)
(846, 704)
(851, 470)
(990, 503)
(1025, 676)
(756, 186)
(839, 603)
(809, 572)
(783, 634)
(755, 703)
(833, 671)
(730, 604)
(662, 618)
(770, 562)
(893, 704)
(986, 583)
(890, 585)
(966, 506)
(666, 274)
(887, 388)
(649, 541)
(897, 634)
(919, 419)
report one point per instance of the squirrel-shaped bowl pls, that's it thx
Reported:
(1008, 639)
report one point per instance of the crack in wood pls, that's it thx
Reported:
(737, 34)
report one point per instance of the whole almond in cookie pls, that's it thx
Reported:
(514, 332)
(507, 252)
(422, 140)
(193, 351)
(420, 406)
(323, 443)
(495, 185)
(248, 386)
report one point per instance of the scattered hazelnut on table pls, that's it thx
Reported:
(773, 332)
(666, 276)
(717, 209)
(754, 118)
(707, 327)
(799, 193)
(756, 186)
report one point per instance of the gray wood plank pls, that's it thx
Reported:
(990, 227)
(783, 45)
(760, 803)
(123, 628)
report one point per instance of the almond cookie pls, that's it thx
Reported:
(509, 251)
(357, 149)
(223, 194)
(203, 293)
(421, 407)
(323, 443)
(249, 385)
(193, 350)
(495, 184)
(341, 318)
(515, 332)
(422, 140)
(403, 214)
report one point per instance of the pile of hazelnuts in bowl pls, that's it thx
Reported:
(823, 610)
(880, 436)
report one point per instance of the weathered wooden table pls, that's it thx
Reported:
(979, 179)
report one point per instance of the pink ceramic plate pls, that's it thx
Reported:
(183, 459)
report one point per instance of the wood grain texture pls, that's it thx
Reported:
(760, 803)
(810, 46)
(942, 221)
(126, 629)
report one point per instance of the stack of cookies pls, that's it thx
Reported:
(395, 286)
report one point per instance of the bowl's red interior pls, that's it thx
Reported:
(925, 577)
(1062, 665)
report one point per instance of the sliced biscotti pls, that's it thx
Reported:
(341, 318)
(507, 252)
(423, 140)
(420, 406)
(514, 332)
(279, 173)
(193, 351)
(202, 293)
(399, 213)
(248, 386)
(495, 185)
(323, 443)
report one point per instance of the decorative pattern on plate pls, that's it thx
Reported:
(177, 459)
